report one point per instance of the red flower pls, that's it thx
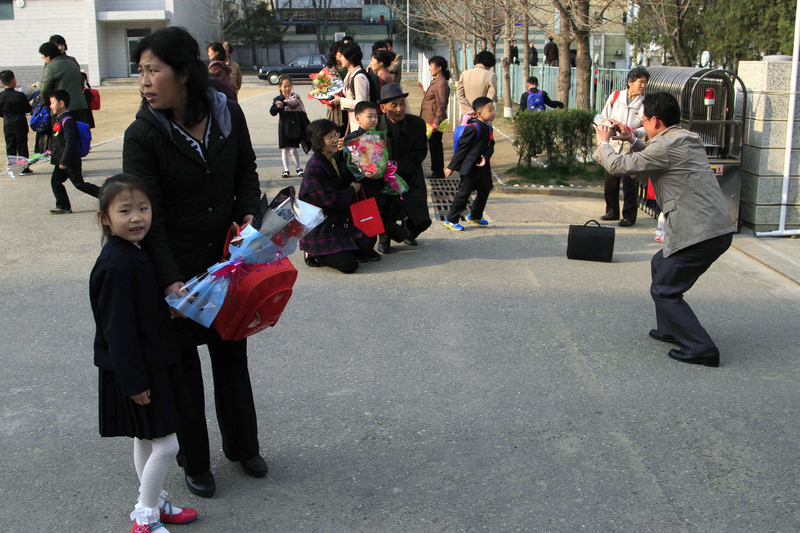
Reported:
(57, 127)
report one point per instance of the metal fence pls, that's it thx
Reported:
(604, 82)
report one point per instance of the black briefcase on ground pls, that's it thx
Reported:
(589, 243)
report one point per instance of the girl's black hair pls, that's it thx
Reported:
(219, 50)
(284, 77)
(113, 187)
(177, 48)
(317, 131)
(441, 62)
(335, 47)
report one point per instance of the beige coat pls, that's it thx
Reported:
(396, 69)
(434, 103)
(236, 76)
(686, 188)
(475, 82)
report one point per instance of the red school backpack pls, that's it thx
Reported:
(257, 300)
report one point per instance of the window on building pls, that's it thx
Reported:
(6, 9)
(305, 29)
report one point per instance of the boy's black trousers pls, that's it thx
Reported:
(480, 182)
(17, 144)
(74, 173)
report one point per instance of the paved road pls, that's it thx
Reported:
(479, 382)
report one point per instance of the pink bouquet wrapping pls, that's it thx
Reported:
(367, 154)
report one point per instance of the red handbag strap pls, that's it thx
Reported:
(233, 232)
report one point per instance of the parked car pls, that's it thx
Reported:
(297, 69)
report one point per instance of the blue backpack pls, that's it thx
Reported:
(459, 131)
(535, 101)
(84, 144)
(40, 118)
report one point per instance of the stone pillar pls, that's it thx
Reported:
(767, 112)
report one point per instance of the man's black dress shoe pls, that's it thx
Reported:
(411, 241)
(385, 248)
(608, 217)
(663, 337)
(202, 484)
(624, 223)
(709, 358)
(372, 255)
(256, 466)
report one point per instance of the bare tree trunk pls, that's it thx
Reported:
(526, 35)
(564, 68)
(509, 27)
(583, 61)
(453, 59)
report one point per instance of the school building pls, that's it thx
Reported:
(100, 34)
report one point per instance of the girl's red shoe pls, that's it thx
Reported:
(147, 528)
(184, 517)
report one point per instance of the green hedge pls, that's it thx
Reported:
(558, 134)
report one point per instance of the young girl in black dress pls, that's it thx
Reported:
(288, 140)
(133, 348)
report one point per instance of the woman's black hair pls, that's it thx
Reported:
(318, 130)
(384, 56)
(177, 48)
(113, 187)
(49, 50)
(439, 61)
(336, 46)
(352, 53)
(636, 73)
(220, 54)
(57, 39)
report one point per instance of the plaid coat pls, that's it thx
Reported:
(332, 193)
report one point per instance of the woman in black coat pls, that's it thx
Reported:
(191, 146)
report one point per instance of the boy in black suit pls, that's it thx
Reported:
(13, 107)
(471, 160)
(64, 155)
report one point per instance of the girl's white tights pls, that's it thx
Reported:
(285, 152)
(152, 459)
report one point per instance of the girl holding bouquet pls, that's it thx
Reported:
(292, 123)
(135, 351)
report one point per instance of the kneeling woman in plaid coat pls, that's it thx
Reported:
(327, 183)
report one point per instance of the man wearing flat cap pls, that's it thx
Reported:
(407, 142)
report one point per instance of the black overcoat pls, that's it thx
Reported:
(194, 201)
(133, 337)
(409, 149)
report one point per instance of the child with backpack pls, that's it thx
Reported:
(472, 150)
(71, 142)
(140, 391)
(535, 100)
(13, 107)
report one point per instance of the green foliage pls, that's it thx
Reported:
(257, 23)
(560, 134)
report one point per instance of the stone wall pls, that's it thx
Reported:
(767, 111)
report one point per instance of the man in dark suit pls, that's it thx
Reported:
(407, 142)
(698, 227)
(551, 53)
(514, 52)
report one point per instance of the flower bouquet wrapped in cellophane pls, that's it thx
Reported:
(251, 250)
(16, 164)
(325, 86)
(367, 154)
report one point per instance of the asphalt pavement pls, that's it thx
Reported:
(478, 382)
